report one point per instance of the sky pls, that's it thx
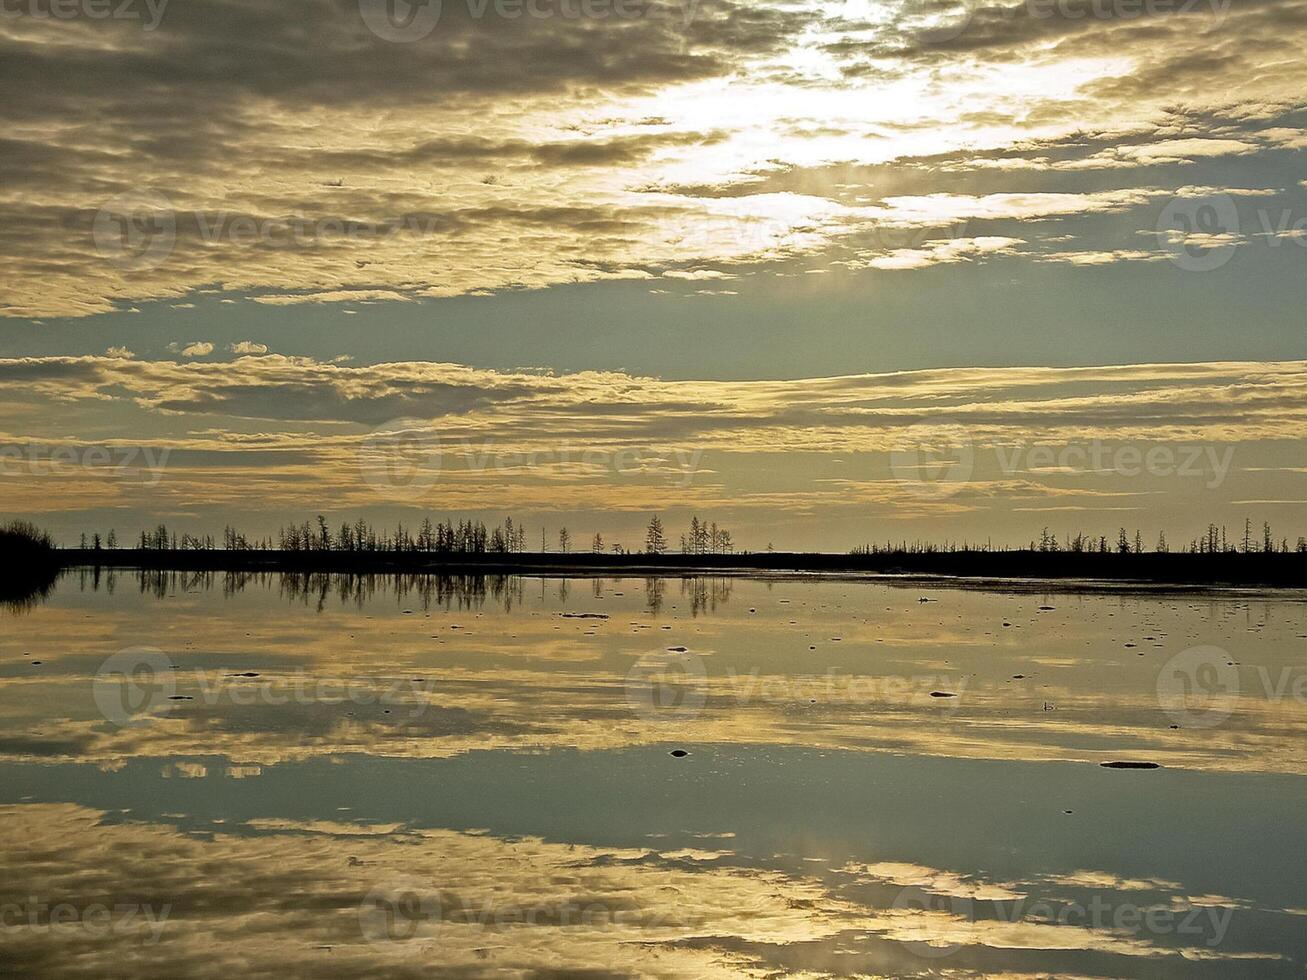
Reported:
(825, 273)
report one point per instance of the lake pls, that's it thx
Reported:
(328, 776)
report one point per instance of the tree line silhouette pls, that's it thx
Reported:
(703, 537)
(1215, 541)
(441, 537)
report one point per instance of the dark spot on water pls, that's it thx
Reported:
(1130, 765)
(180, 697)
(942, 694)
(678, 753)
(676, 650)
(248, 673)
(1018, 677)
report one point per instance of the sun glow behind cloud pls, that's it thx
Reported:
(671, 146)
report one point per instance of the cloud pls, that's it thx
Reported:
(543, 908)
(324, 164)
(1220, 401)
(247, 347)
(336, 296)
(196, 348)
(940, 253)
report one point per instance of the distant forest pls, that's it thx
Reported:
(441, 537)
(701, 538)
(1216, 541)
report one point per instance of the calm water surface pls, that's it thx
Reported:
(330, 776)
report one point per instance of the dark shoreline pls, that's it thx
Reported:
(1011, 568)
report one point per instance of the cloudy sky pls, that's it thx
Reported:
(825, 272)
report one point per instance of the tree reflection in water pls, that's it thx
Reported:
(703, 593)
